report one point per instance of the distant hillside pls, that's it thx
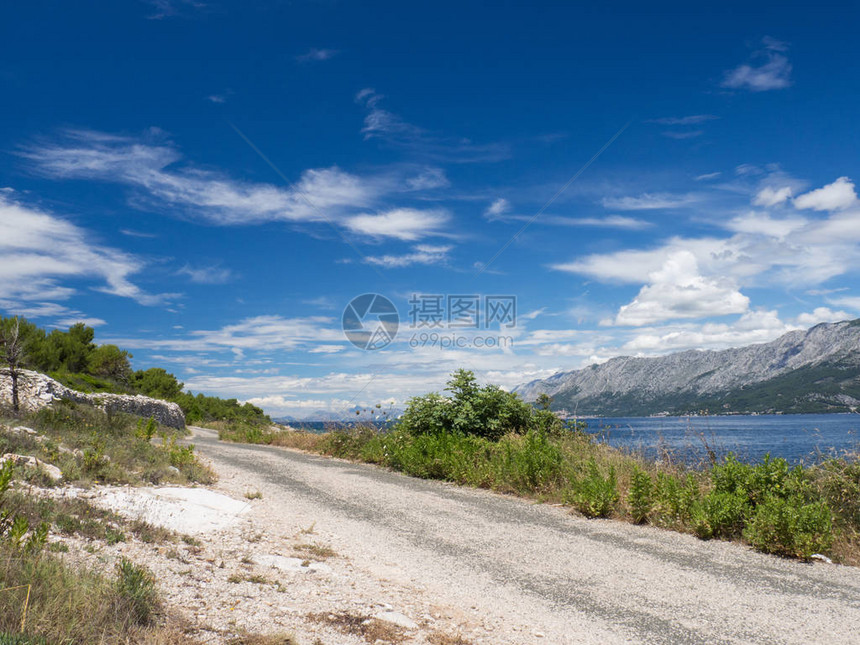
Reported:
(817, 370)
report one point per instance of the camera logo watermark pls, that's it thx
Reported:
(447, 321)
(370, 321)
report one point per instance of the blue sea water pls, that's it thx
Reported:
(798, 438)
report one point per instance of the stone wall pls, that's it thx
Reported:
(37, 391)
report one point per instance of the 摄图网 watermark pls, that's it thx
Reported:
(372, 321)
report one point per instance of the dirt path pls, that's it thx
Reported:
(501, 570)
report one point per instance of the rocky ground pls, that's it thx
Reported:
(243, 564)
(338, 554)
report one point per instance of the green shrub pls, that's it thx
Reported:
(488, 412)
(136, 587)
(719, 514)
(596, 495)
(641, 495)
(790, 527)
(530, 463)
(146, 429)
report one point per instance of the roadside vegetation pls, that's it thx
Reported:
(489, 438)
(43, 599)
(88, 445)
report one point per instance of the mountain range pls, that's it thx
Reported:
(816, 370)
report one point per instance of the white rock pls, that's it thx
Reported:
(820, 557)
(26, 460)
(396, 618)
(186, 510)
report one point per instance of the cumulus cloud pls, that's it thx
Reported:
(768, 69)
(836, 196)
(678, 290)
(822, 315)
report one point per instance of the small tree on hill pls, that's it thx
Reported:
(13, 354)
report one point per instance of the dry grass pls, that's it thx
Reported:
(263, 639)
(317, 551)
(78, 606)
(441, 638)
(370, 629)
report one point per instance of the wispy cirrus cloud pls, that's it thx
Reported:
(650, 201)
(422, 254)
(693, 119)
(42, 255)
(688, 134)
(152, 165)
(153, 168)
(317, 55)
(206, 274)
(171, 8)
(384, 125)
(768, 69)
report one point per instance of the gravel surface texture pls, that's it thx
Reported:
(331, 542)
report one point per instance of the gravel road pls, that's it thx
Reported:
(511, 571)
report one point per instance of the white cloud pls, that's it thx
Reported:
(753, 327)
(40, 253)
(406, 224)
(499, 206)
(386, 126)
(678, 290)
(707, 176)
(763, 224)
(822, 315)
(649, 201)
(326, 349)
(769, 196)
(836, 196)
(73, 320)
(428, 179)
(693, 119)
(206, 275)
(317, 55)
(150, 165)
(610, 221)
(683, 134)
(422, 254)
(258, 333)
(852, 302)
(772, 73)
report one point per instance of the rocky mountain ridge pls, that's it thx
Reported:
(815, 370)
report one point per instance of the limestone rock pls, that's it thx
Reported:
(37, 391)
(31, 462)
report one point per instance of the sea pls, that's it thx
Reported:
(798, 438)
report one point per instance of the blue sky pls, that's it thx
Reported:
(211, 183)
